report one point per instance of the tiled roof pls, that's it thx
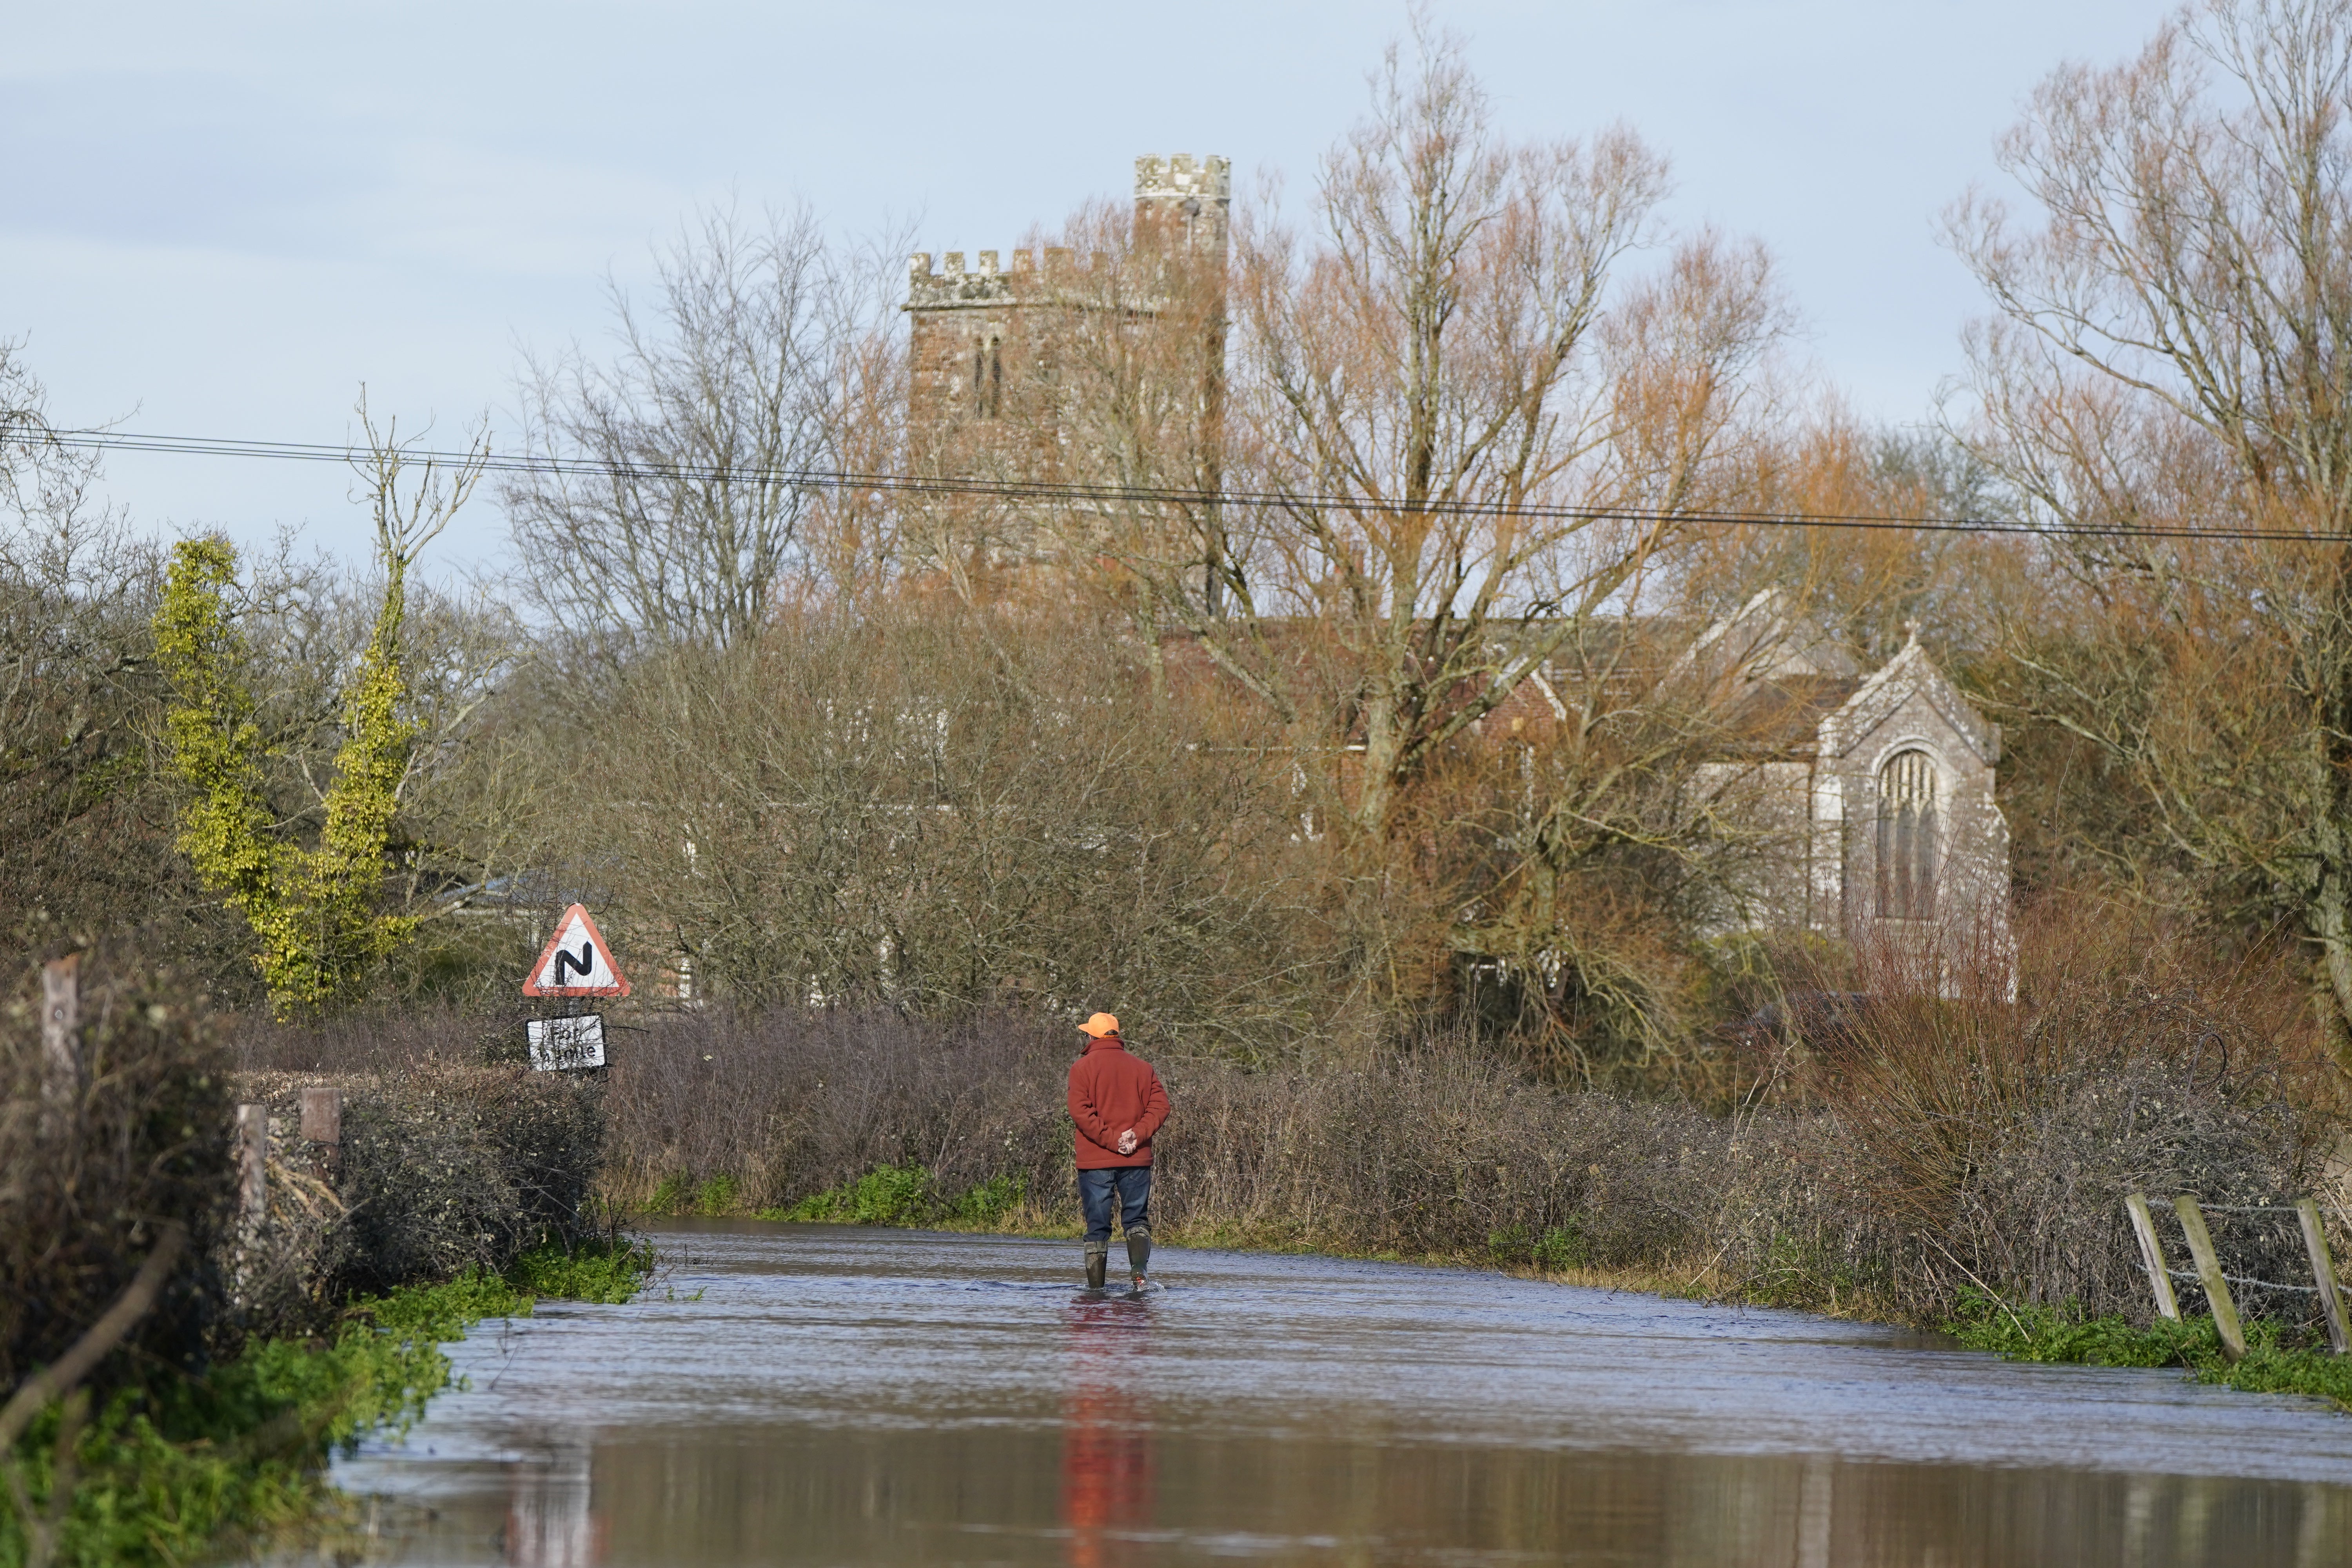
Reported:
(1784, 717)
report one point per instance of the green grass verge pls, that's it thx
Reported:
(2059, 1334)
(908, 1196)
(177, 1467)
(611, 1275)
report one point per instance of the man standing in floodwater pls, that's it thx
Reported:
(1117, 1104)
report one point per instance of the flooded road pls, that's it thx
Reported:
(840, 1396)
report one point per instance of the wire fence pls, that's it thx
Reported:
(2291, 1228)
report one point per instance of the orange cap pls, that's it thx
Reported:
(1101, 1024)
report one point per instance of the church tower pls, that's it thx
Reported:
(1184, 206)
(977, 330)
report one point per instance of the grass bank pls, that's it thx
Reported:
(2273, 1363)
(170, 1466)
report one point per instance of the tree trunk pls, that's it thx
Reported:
(1376, 790)
(2330, 908)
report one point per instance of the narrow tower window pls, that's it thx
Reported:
(1907, 829)
(987, 375)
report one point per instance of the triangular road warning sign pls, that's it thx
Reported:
(576, 963)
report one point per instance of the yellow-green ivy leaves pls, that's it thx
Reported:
(314, 912)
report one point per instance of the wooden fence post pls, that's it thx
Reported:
(2209, 1274)
(322, 1124)
(2151, 1254)
(253, 1156)
(2323, 1271)
(60, 1042)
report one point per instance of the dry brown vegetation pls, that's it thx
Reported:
(2167, 349)
(95, 1164)
(1896, 1151)
(1973, 1139)
(944, 809)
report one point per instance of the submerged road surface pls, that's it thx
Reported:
(840, 1395)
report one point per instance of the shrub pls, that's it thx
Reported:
(990, 1202)
(1899, 1142)
(88, 1179)
(443, 1168)
(1555, 1250)
(890, 1196)
(611, 1271)
(1927, 1144)
(785, 1104)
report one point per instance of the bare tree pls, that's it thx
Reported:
(76, 805)
(854, 807)
(1465, 436)
(2170, 347)
(447, 824)
(673, 509)
(44, 485)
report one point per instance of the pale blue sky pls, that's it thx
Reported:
(218, 219)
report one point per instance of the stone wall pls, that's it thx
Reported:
(1804, 851)
(1909, 705)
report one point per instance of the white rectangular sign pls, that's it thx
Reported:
(558, 1045)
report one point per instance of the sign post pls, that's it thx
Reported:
(576, 963)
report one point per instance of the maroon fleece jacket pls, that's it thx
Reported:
(1111, 1091)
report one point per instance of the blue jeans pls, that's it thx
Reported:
(1131, 1185)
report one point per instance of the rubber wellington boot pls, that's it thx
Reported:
(1097, 1264)
(1139, 1253)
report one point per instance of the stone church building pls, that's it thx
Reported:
(975, 327)
(1870, 795)
(1860, 802)
(1012, 366)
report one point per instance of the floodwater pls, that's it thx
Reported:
(822, 1394)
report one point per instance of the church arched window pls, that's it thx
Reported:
(1908, 825)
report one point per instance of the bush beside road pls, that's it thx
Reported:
(178, 1380)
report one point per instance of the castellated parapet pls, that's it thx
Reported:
(952, 286)
(1178, 198)
(1179, 178)
(1183, 200)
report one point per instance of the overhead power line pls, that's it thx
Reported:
(918, 484)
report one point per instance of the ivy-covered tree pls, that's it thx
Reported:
(315, 911)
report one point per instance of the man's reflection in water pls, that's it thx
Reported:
(549, 1522)
(1106, 1428)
